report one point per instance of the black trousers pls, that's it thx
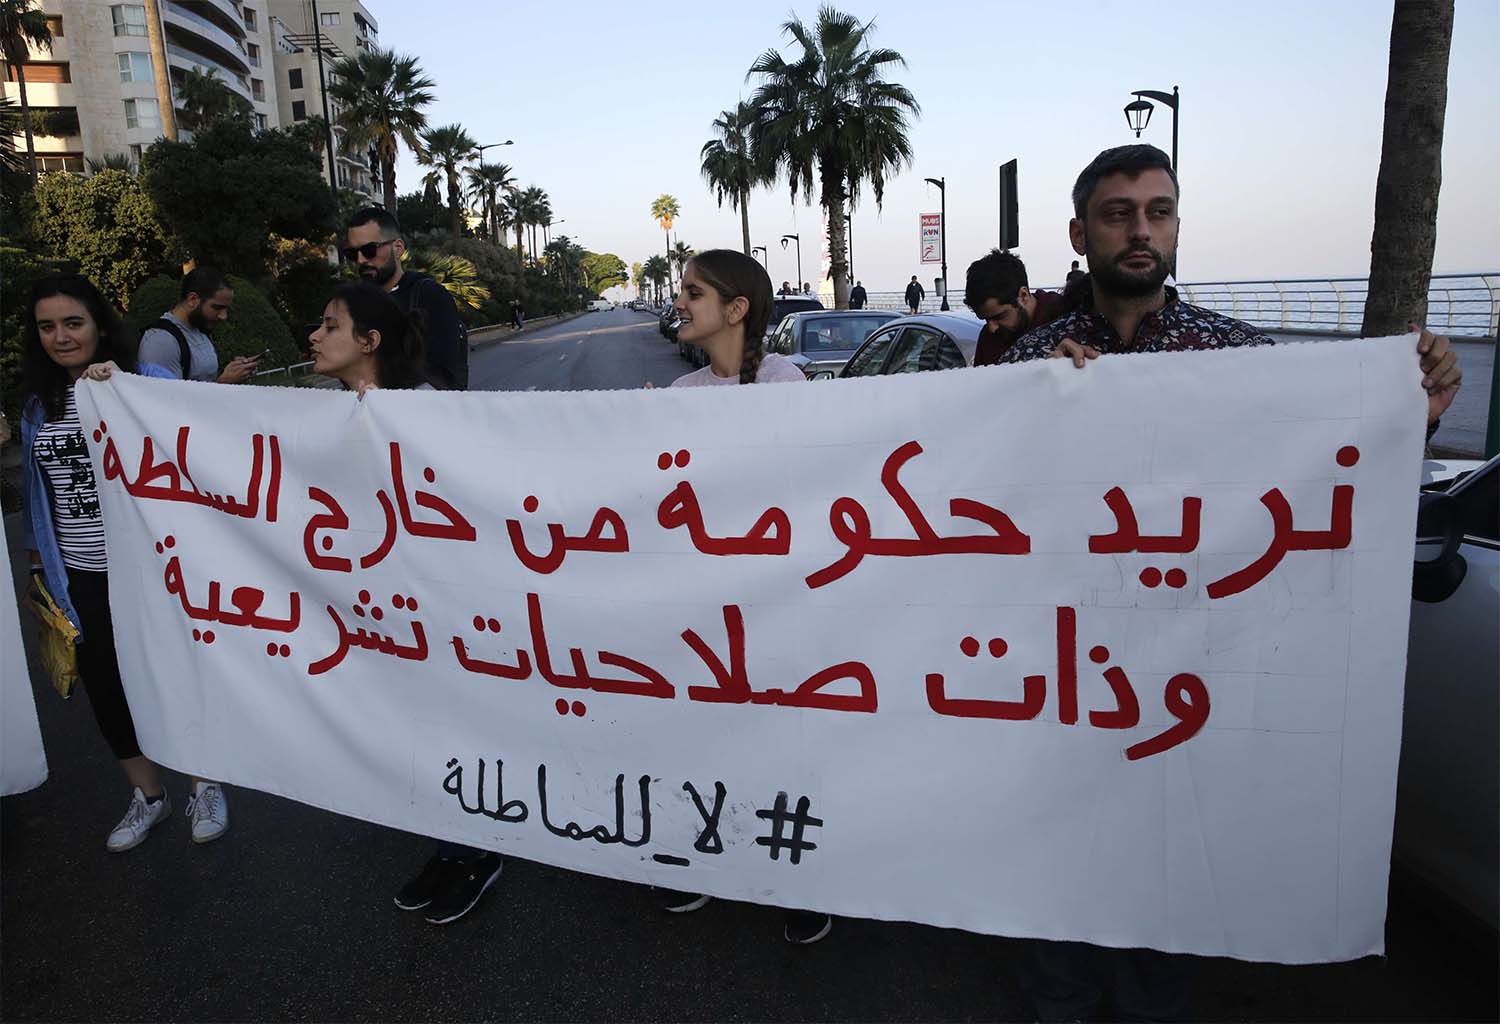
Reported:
(97, 664)
(1078, 981)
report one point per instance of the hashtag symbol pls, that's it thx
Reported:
(778, 817)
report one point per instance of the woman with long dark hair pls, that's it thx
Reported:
(367, 341)
(72, 333)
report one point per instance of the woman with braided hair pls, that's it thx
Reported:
(724, 304)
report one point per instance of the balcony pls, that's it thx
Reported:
(204, 38)
(182, 59)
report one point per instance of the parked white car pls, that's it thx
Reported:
(601, 306)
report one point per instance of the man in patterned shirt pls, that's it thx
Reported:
(1125, 223)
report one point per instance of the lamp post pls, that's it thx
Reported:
(491, 145)
(798, 240)
(765, 259)
(942, 185)
(1138, 114)
(548, 227)
(849, 240)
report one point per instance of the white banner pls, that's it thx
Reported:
(1112, 655)
(930, 244)
(23, 762)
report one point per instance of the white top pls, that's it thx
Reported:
(63, 456)
(774, 369)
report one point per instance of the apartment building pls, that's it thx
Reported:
(95, 91)
(335, 30)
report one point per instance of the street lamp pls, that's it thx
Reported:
(849, 240)
(765, 259)
(941, 183)
(491, 145)
(798, 240)
(1138, 114)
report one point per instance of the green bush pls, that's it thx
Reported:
(253, 325)
(107, 224)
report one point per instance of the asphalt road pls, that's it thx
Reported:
(289, 916)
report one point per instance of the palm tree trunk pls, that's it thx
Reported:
(668, 233)
(456, 221)
(745, 219)
(833, 201)
(388, 180)
(160, 75)
(18, 48)
(1411, 167)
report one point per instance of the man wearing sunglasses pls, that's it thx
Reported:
(375, 248)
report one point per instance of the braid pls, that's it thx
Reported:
(755, 351)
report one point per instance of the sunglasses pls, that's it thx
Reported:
(368, 250)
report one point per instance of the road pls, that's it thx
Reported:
(289, 917)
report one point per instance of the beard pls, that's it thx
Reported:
(378, 273)
(199, 322)
(1113, 278)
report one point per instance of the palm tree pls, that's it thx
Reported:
(382, 96)
(446, 148)
(534, 211)
(680, 254)
(1411, 167)
(831, 116)
(486, 182)
(659, 273)
(665, 209)
(203, 97)
(111, 162)
(637, 279)
(457, 275)
(23, 24)
(730, 167)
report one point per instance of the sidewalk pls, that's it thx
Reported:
(481, 337)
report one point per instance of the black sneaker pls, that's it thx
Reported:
(466, 882)
(804, 927)
(417, 893)
(674, 902)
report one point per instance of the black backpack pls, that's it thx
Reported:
(184, 354)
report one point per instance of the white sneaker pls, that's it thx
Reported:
(139, 819)
(208, 811)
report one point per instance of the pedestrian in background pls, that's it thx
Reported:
(72, 333)
(857, 296)
(181, 342)
(914, 295)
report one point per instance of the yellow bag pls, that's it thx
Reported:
(58, 643)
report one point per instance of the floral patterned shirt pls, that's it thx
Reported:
(1175, 327)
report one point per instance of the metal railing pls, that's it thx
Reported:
(1459, 305)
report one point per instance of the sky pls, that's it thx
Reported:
(1280, 122)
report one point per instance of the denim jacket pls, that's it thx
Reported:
(37, 530)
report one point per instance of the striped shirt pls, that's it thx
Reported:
(63, 456)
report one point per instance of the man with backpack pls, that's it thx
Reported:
(180, 341)
(375, 247)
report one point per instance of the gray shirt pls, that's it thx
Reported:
(159, 347)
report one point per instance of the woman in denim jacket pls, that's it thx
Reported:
(71, 333)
